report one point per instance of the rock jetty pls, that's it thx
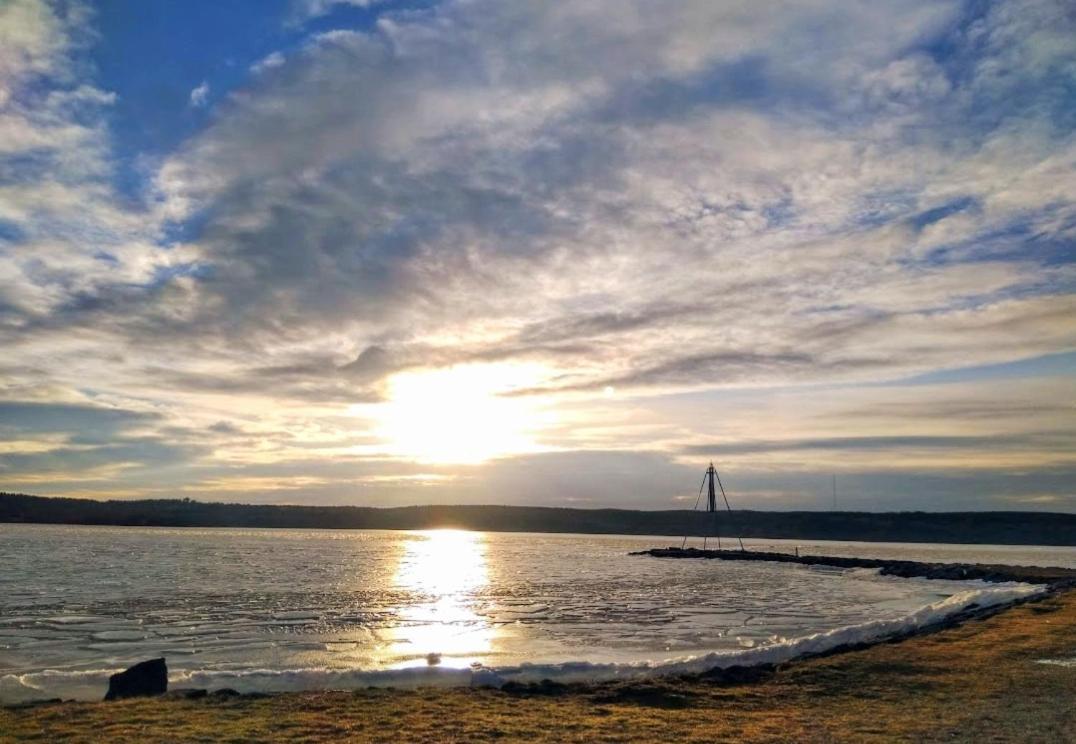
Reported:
(1056, 578)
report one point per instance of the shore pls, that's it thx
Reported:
(982, 679)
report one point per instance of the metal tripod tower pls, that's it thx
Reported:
(709, 481)
(711, 498)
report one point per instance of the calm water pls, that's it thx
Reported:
(287, 609)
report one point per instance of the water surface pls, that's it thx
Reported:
(286, 609)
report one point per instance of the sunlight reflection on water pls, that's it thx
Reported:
(446, 568)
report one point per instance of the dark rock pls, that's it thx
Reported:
(739, 675)
(145, 679)
(226, 692)
(27, 704)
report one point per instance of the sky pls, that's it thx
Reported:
(564, 254)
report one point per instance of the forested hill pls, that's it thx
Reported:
(1001, 528)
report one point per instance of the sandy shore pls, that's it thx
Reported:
(982, 680)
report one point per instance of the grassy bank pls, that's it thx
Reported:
(979, 681)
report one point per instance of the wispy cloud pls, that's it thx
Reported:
(669, 201)
(200, 95)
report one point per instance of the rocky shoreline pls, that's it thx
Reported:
(1055, 578)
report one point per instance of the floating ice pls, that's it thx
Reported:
(344, 609)
(284, 680)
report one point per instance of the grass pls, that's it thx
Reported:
(977, 682)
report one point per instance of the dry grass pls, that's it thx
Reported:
(976, 682)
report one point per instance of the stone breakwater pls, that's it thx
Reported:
(1055, 578)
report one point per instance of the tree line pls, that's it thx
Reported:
(1000, 528)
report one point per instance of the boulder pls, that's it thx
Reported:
(144, 679)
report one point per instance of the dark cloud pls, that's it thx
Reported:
(314, 383)
(1039, 441)
(953, 410)
(32, 417)
(373, 363)
(83, 437)
(711, 368)
(226, 427)
(571, 328)
(119, 452)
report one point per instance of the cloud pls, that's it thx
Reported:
(891, 444)
(58, 443)
(200, 95)
(668, 201)
(64, 234)
(434, 135)
(303, 10)
(42, 417)
(268, 62)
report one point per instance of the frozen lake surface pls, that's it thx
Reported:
(294, 609)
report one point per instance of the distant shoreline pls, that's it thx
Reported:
(966, 528)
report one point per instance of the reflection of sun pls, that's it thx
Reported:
(460, 414)
(445, 567)
(446, 562)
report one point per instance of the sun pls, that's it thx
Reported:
(461, 414)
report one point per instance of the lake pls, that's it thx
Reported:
(293, 609)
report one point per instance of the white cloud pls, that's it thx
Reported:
(303, 10)
(270, 61)
(200, 95)
(68, 235)
(545, 178)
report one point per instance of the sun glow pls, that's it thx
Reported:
(461, 414)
